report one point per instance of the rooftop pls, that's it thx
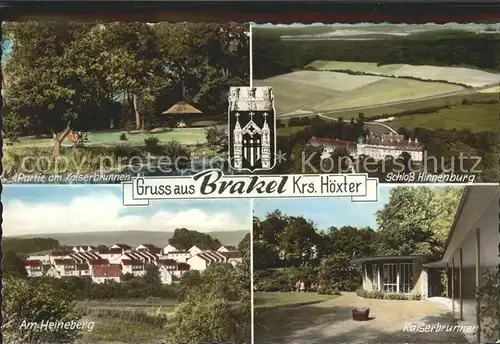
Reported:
(181, 108)
(383, 258)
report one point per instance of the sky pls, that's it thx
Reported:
(328, 212)
(93, 208)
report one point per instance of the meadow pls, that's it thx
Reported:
(137, 321)
(113, 138)
(319, 91)
(406, 102)
(266, 300)
(467, 76)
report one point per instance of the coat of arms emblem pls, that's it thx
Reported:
(252, 129)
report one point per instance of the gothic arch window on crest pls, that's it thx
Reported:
(252, 144)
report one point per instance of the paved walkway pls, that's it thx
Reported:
(331, 322)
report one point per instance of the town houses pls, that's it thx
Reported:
(377, 146)
(109, 263)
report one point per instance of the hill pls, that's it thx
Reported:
(131, 237)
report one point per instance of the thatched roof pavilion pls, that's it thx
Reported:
(182, 108)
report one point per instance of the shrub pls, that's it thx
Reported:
(489, 295)
(327, 291)
(386, 296)
(123, 137)
(396, 296)
(151, 143)
(206, 317)
(337, 273)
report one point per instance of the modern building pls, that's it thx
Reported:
(472, 248)
(394, 274)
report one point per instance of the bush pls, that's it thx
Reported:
(206, 317)
(327, 291)
(369, 294)
(489, 295)
(386, 296)
(123, 137)
(337, 273)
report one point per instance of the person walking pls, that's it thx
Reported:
(297, 286)
(302, 286)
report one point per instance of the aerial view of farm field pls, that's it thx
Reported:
(434, 86)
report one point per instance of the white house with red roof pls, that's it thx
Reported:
(59, 254)
(83, 248)
(134, 267)
(70, 267)
(173, 248)
(65, 262)
(110, 253)
(233, 257)
(149, 248)
(144, 256)
(167, 276)
(106, 273)
(124, 247)
(182, 268)
(84, 257)
(178, 256)
(196, 249)
(52, 272)
(45, 258)
(34, 268)
(203, 260)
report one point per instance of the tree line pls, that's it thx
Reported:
(290, 247)
(275, 56)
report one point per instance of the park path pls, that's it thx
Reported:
(331, 322)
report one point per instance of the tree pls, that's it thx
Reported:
(26, 303)
(298, 242)
(205, 317)
(47, 84)
(337, 274)
(422, 230)
(13, 265)
(217, 138)
(134, 63)
(202, 60)
(152, 280)
(351, 241)
(186, 238)
(189, 280)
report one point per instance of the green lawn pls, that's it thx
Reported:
(291, 96)
(184, 136)
(478, 117)
(322, 91)
(117, 328)
(264, 300)
(367, 67)
(286, 131)
(475, 117)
